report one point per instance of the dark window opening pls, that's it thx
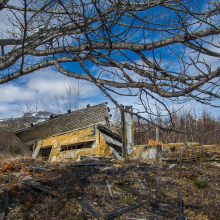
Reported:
(77, 146)
(31, 147)
(44, 153)
(173, 149)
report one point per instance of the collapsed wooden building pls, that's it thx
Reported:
(84, 132)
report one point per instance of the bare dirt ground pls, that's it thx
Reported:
(71, 188)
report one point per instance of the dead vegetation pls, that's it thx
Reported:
(10, 144)
(105, 190)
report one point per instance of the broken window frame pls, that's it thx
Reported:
(42, 148)
(77, 146)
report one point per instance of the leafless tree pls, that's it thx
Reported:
(161, 50)
(26, 108)
(57, 103)
(72, 96)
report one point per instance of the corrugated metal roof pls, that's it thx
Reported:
(112, 143)
(68, 122)
(109, 140)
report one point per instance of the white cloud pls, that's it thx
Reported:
(44, 85)
(11, 93)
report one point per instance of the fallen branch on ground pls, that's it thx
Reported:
(43, 188)
(39, 168)
(89, 209)
(88, 164)
(114, 214)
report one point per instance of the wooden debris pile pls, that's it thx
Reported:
(107, 190)
(190, 153)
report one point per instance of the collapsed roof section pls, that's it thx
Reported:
(112, 140)
(65, 123)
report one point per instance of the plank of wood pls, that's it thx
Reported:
(88, 164)
(120, 212)
(180, 206)
(34, 155)
(89, 209)
(4, 198)
(115, 153)
(39, 168)
(157, 183)
(111, 194)
(42, 188)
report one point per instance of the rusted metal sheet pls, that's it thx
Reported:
(153, 142)
(64, 124)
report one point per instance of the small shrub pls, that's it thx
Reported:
(14, 148)
(129, 200)
(200, 184)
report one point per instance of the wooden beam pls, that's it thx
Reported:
(123, 133)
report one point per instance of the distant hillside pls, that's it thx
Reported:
(41, 115)
(25, 120)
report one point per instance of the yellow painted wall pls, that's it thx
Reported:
(90, 133)
(102, 148)
(146, 154)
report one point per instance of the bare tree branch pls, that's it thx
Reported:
(160, 50)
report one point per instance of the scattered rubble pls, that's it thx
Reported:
(91, 190)
(190, 152)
